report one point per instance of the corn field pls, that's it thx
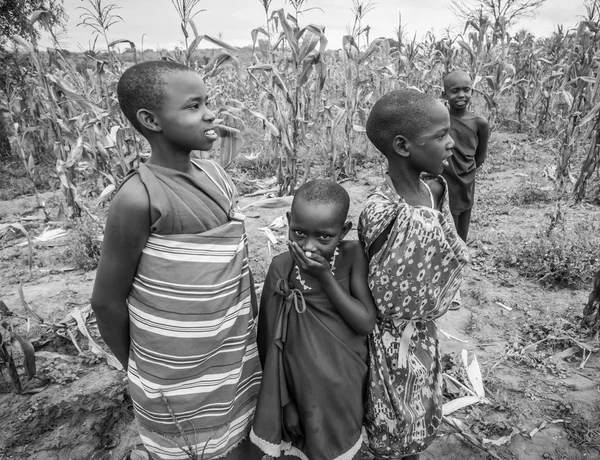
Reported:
(309, 97)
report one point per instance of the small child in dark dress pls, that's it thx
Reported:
(315, 314)
(470, 133)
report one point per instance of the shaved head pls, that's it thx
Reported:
(405, 112)
(457, 78)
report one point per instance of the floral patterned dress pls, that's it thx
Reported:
(413, 278)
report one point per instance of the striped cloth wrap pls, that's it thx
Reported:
(193, 369)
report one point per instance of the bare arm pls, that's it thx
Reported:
(357, 306)
(127, 231)
(483, 135)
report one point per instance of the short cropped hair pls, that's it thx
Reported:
(405, 112)
(142, 87)
(323, 191)
(454, 72)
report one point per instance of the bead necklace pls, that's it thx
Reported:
(331, 265)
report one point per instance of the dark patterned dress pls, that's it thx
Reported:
(460, 172)
(313, 358)
(413, 279)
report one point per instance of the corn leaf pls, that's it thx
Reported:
(270, 203)
(24, 43)
(25, 347)
(37, 15)
(75, 153)
(373, 46)
(26, 305)
(288, 31)
(94, 347)
(7, 358)
(270, 126)
(231, 144)
(215, 65)
(106, 193)
(221, 43)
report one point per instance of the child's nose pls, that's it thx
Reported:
(450, 143)
(310, 245)
(209, 116)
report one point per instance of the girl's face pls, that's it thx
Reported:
(185, 120)
(316, 228)
(430, 150)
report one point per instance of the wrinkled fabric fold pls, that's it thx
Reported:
(460, 172)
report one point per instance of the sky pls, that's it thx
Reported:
(154, 23)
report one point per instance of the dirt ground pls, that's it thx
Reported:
(540, 405)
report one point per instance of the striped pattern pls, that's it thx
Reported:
(193, 370)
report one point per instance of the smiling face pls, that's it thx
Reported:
(458, 90)
(317, 228)
(429, 151)
(185, 121)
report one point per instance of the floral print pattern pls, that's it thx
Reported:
(413, 278)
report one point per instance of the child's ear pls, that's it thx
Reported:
(345, 229)
(288, 215)
(148, 120)
(444, 94)
(399, 144)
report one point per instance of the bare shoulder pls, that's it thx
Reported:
(132, 197)
(481, 123)
(351, 249)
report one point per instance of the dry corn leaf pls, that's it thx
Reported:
(270, 203)
(231, 144)
(280, 222)
(26, 305)
(25, 347)
(503, 440)
(269, 234)
(94, 347)
(459, 403)
(106, 193)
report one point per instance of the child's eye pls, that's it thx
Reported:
(325, 237)
(298, 233)
(195, 106)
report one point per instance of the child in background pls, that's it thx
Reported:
(315, 314)
(470, 133)
(173, 293)
(415, 264)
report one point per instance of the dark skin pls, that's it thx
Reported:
(458, 91)
(315, 232)
(183, 124)
(408, 158)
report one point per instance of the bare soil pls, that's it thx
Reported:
(541, 406)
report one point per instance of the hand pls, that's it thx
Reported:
(291, 420)
(309, 262)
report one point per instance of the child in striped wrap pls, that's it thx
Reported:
(173, 293)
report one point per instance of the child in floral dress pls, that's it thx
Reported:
(415, 264)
